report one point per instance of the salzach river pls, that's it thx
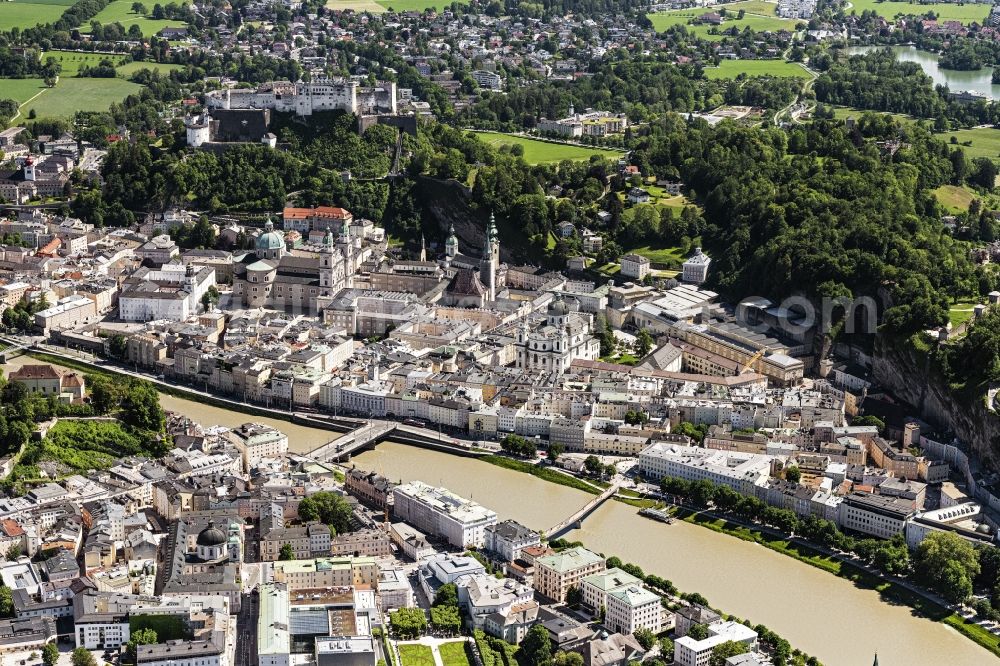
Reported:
(826, 616)
(979, 80)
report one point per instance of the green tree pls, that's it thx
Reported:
(118, 346)
(83, 657)
(143, 409)
(695, 432)
(137, 638)
(643, 343)
(564, 658)
(724, 651)
(948, 564)
(447, 595)
(286, 553)
(139, 8)
(985, 173)
(6, 602)
(328, 508)
(105, 394)
(869, 421)
(209, 298)
(536, 648)
(555, 450)
(698, 632)
(517, 446)
(792, 474)
(593, 465)
(702, 492)
(446, 619)
(667, 649)
(574, 595)
(50, 654)
(408, 622)
(645, 637)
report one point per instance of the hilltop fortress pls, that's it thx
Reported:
(304, 98)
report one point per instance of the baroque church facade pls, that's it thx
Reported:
(272, 277)
(475, 280)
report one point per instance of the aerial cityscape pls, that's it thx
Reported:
(482, 333)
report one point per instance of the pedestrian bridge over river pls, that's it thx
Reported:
(576, 519)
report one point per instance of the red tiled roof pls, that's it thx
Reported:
(72, 379)
(35, 372)
(320, 211)
(11, 528)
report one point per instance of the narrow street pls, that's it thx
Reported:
(246, 625)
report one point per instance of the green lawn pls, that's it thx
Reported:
(730, 69)
(29, 14)
(20, 90)
(72, 61)
(945, 11)
(670, 256)
(120, 11)
(539, 152)
(961, 312)
(369, 6)
(71, 95)
(983, 141)
(610, 269)
(758, 16)
(131, 68)
(416, 5)
(416, 655)
(453, 654)
(955, 198)
(662, 198)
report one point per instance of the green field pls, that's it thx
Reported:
(539, 152)
(961, 312)
(956, 199)
(128, 69)
(416, 655)
(730, 69)
(20, 90)
(671, 256)
(983, 141)
(758, 15)
(453, 654)
(120, 11)
(29, 14)
(369, 6)
(72, 61)
(71, 95)
(945, 11)
(416, 5)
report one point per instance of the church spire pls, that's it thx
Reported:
(423, 248)
(875, 663)
(487, 242)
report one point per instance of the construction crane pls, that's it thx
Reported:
(748, 366)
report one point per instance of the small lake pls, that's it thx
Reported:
(978, 81)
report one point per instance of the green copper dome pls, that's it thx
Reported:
(270, 239)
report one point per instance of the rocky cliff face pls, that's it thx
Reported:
(906, 374)
(449, 203)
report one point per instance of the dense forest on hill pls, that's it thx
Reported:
(641, 88)
(823, 211)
